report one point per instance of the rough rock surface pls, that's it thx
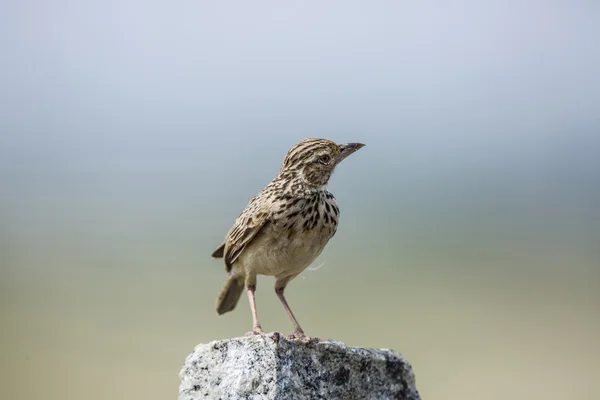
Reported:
(272, 367)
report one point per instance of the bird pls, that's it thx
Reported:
(284, 227)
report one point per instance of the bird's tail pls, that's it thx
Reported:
(230, 294)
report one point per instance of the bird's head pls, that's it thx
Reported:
(313, 160)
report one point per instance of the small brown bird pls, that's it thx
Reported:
(284, 227)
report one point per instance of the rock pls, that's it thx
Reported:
(272, 367)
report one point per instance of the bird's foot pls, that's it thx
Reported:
(257, 330)
(298, 335)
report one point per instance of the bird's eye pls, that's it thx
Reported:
(324, 158)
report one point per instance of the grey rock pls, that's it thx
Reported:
(272, 367)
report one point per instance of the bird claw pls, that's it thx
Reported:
(298, 335)
(255, 332)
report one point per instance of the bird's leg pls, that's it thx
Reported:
(279, 288)
(250, 289)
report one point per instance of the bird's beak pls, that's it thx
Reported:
(348, 149)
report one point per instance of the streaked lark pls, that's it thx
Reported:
(284, 227)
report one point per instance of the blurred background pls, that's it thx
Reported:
(132, 133)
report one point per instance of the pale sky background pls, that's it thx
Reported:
(133, 133)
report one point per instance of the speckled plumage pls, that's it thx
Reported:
(285, 226)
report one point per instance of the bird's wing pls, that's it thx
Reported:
(218, 253)
(245, 228)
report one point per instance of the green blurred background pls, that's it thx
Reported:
(133, 133)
